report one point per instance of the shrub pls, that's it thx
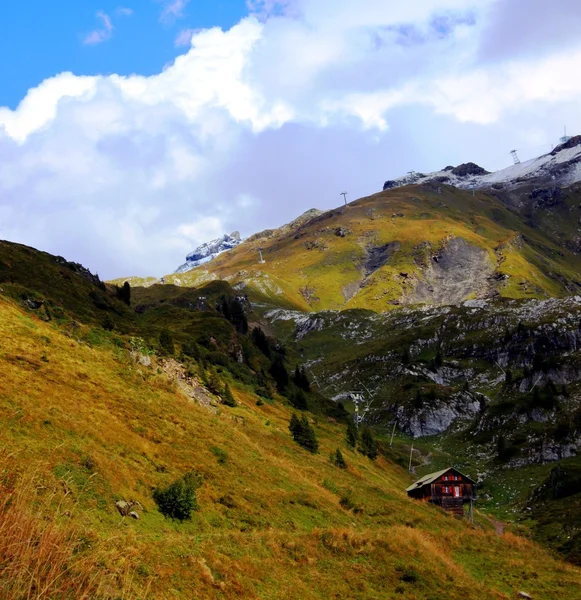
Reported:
(178, 500)
(166, 342)
(227, 397)
(108, 324)
(220, 454)
(337, 459)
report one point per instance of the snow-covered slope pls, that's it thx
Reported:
(206, 252)
(562, 167)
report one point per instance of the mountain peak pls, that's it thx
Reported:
(209, 250)
(561, 166)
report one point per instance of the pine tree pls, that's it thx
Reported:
(295, 428)
(308, 436)
(166, 342)
(303, 434)
(299, 400)
(305, 383)
(261, 341)
(368, 445)
(227, 397)
(124, 293)
(352, 434)
(279, 373)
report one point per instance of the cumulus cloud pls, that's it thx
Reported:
(102, 33)
(299, 101)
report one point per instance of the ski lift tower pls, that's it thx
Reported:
(565, 138)
(515, 157)
(344, 194)
(261, 261)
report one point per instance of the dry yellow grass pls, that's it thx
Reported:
(95, 427)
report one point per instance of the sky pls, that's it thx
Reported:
(132, 132)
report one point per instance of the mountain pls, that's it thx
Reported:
(209, 250)
(560, 167)
(95, 416)
(429, 243)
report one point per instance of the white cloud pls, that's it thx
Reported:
(172, 10)
(123, 11)
(279, 114)
(184, 37)
(101, 34)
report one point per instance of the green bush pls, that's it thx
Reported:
(337, 459)
(227, 397)
(166, 342)
(178, 500)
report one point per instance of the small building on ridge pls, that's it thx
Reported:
(449, 489)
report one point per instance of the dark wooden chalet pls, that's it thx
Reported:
(449, 489)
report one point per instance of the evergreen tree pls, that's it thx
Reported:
(368, 446)
(352, 434)
(299, 400)
(303, 434)
(405, 357)
(166, 342)
(279, 373)
(305, 383)
(438, 359)
(295, 428)
(261, 341)
(308, 437)
(124, 293)
(508, 377)
(227, 397)
(237, 316)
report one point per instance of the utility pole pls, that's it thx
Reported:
(344, 194)
(261, 261)
(392, 434)
(411, 453)
(515, 158)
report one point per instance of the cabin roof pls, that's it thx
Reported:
(431, 477)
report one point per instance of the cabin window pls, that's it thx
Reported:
(446, 489)
(455, 477)
(445, 478)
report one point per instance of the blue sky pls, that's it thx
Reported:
(39, 38)
(247, 125)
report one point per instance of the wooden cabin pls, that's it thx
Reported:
(449, 489)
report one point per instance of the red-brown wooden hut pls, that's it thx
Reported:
(449, 489)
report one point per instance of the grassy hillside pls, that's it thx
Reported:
(411, 245)
(84, 425)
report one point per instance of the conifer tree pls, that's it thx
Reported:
(368, 445)
(124, 293)
(352, 434)
(299, 400)
(308, 436)
(295, 428)
(279, 373)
